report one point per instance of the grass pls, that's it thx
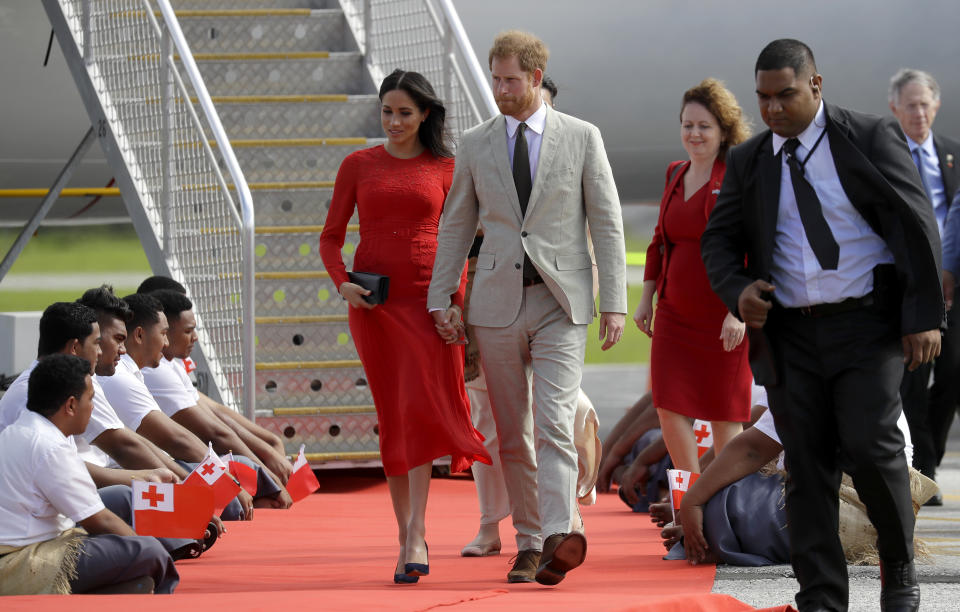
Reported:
(61, 250)
(116, 249)
(633, 348)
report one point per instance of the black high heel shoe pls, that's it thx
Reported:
(415, 570)
(404, 579)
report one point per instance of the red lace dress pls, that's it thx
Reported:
(416, 379)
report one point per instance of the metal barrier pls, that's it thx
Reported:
(425, 36)
(138, 78)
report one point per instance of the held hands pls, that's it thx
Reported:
(611, 326)
(732, 332)
(921, 348)
(354, 293)
(753, 305)
(449, 323)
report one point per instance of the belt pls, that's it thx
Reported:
(529, 282)
(827, 310)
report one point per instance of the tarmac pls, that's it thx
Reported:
(614, 388)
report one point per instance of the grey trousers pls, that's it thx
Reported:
(111, 559)
(542, 348)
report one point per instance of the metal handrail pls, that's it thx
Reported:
(128, 66)
(243, 194)
(429, 39)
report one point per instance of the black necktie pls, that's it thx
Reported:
(818, 232)
(521, 168)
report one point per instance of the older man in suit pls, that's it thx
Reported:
(914, 101)
(824, 243)
(532, 178)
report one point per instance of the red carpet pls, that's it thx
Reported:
(336, 550)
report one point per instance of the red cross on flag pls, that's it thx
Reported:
(303, 481)
(679, 481)
(704, 433)
(167, 510)
(212, 472)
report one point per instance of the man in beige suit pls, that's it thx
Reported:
(532, 178)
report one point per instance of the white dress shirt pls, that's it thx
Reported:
(796, 272)
(128, 394)
(534, 134)
(103, 417)
(44, 486)
(170, 386)
(932, 178)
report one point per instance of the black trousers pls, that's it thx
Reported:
(836, 408)
(930, 411)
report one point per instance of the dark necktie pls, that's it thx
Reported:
(521, 168)
(818, 232)
(524, 185)
(918, 154)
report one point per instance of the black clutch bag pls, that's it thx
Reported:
(377, 284)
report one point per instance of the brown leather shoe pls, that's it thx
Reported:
(562, 552)
(524, 566)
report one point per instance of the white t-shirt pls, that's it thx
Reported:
(103, 417)
(128, 394)
(170, 386)
(44, 486)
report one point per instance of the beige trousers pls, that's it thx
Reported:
(533, 371)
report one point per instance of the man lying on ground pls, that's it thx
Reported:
(266, 444)
(45, 492)
(133, 403)
(178, 399)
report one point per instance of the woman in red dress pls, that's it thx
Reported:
(698, 360)
(416, 378)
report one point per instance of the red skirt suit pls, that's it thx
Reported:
(691, 373)
(415, 377)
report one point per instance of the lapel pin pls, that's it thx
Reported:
(949, 160)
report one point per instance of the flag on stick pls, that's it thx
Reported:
(302, 482)
(245, 475)
(213, 472)
(679, 481)
(167, 510)
(704, 433)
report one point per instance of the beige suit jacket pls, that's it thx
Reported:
(573, 185)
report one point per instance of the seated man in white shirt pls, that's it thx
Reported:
(133, 403)
(45, 492)
(264, 443)
(106, 431)
(178, 399)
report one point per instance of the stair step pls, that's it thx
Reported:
(258, 30)
(338, 437)
(301, 342)
(295, 159)
(325, 410)
(250, 117)
(293, 203)
(286, 388)
(284, 74)
(292, 297)
(298, 250)
(211, 5)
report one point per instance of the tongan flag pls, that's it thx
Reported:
(302, 482)
(213, 473)
(245, 475)
(679, 481)
(704, 433)
(167, 510)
